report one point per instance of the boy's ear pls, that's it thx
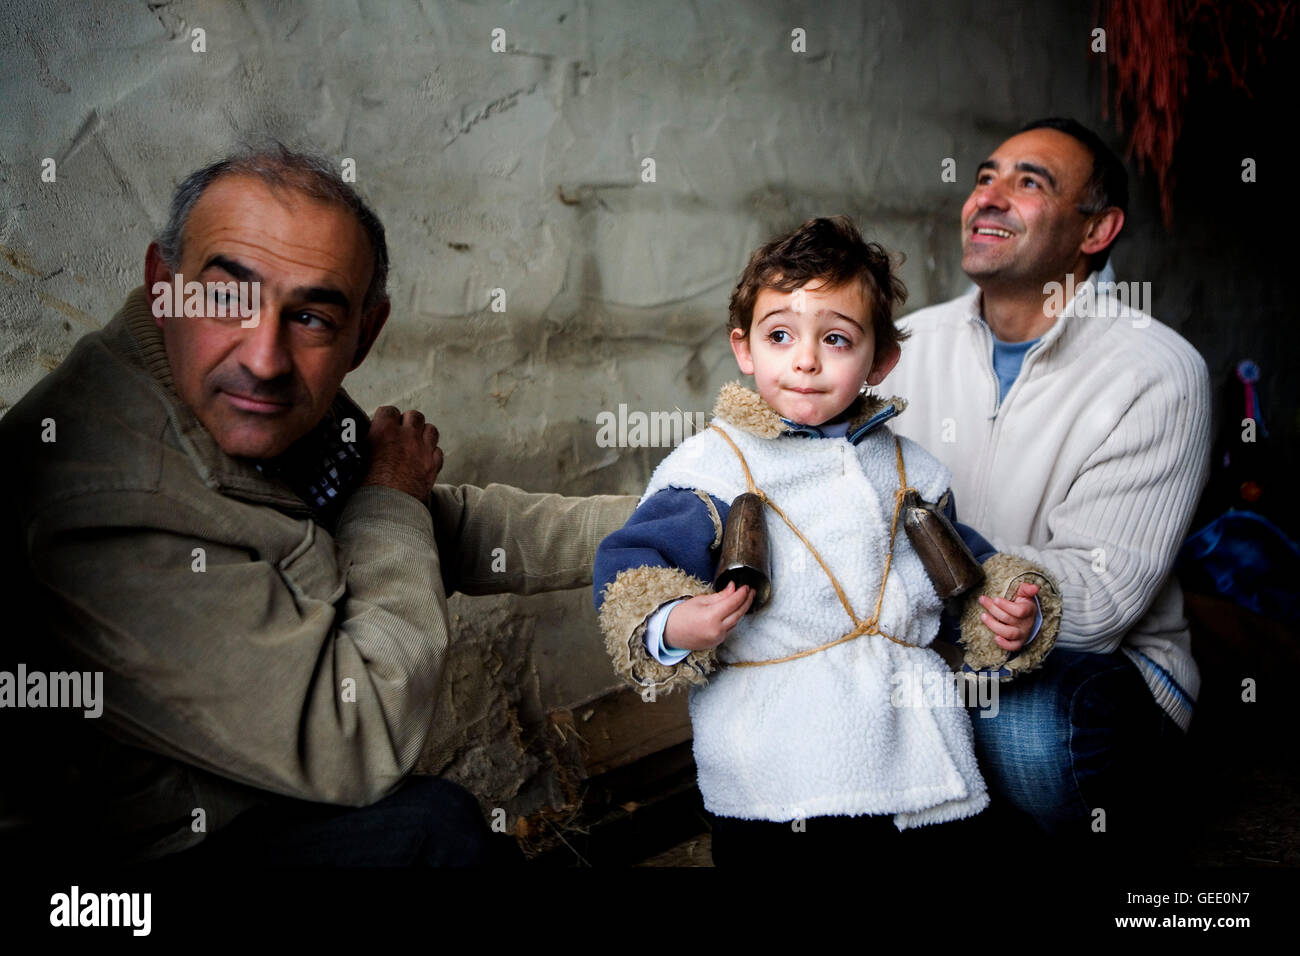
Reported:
(884, 364)
(740, 347)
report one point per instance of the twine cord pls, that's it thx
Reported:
(861, 627)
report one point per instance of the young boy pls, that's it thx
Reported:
(798, 716)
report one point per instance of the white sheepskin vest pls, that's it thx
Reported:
(822, 736)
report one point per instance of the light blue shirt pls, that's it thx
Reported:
(1007, 359)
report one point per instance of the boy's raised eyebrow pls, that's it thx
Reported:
(839, 315)
(849, 319)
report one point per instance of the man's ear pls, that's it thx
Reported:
(372, 323)
(1102, 230)
(884, 364)
(155, 271)
(740, 348)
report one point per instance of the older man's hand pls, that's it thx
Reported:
(404, 452)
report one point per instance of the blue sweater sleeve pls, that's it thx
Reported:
(670, 529)
(978, 544)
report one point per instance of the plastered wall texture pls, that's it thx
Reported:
(522, 171)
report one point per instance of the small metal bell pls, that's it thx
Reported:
(952, 568)
(744, 557)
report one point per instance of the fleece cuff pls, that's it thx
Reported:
(627, 604)
(1003, 574)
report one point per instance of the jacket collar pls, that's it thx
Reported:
(238, 477)
(745, 409)
(1070, 332)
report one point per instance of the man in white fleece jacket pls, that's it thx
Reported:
(1077, 431)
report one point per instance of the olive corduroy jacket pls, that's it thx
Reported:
(290, 659)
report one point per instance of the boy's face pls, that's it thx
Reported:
(810, 350)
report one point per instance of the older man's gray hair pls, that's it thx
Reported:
(281, 168)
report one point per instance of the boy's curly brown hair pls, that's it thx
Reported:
(832, 250)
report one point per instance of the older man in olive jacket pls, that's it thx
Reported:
(196, 510)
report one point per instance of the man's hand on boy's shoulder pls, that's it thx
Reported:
(705, 620)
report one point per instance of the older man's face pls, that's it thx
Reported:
(259, 389)
(1021, 224)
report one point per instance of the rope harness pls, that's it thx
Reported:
(860, 627)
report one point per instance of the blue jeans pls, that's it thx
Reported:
(1082, 734)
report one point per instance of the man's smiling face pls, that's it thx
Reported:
(1021, 225)
(259, 389)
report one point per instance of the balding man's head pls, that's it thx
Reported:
(280, 168)
(284, 224)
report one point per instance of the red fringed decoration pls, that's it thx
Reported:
(1150, 65)
(1151, 45)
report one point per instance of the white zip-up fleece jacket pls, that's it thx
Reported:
(837, 732)
(824, 735)
(1091, 467)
